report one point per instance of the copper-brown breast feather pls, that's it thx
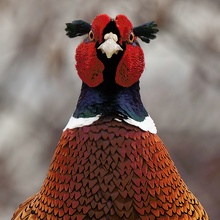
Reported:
(111, 170)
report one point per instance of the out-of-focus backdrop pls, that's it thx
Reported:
(39, 87)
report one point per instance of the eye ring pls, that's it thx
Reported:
(91, 35)
(131, 37)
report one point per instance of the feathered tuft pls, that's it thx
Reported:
(77, 28)
(146, 32)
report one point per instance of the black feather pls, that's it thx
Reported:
(77, 28)
(146, 32)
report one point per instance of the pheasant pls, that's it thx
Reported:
(110, 164)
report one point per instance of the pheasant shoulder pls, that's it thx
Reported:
(24, 211)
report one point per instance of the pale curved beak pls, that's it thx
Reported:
(110, 47)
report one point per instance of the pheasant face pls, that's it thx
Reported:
(111, 43)
(109, 163)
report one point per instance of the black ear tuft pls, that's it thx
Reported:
(146, 32)
(77, 28)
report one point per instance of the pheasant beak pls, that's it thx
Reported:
(110, 47)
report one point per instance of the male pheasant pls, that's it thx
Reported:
(109, 163)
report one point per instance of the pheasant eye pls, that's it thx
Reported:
(91, 35)
(131, 37)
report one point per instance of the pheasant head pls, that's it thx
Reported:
(110, 53)
(110, 62)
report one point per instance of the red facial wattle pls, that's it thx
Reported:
(130, 67)
(89, 67)
(98, 25)
(124, 26)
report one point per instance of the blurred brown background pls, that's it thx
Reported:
(39, 87)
